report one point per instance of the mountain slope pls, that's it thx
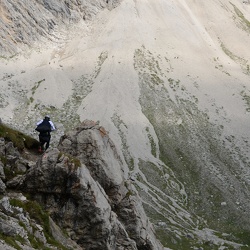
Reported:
(170, 81)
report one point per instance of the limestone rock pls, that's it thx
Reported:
(2, 175)
(93, 147)
(58, 235)
(84, 189)
(16, 221)
(83, 186)
(2, 187)
(2, 147)
(24, 22)
(4, 246)
(11, 164)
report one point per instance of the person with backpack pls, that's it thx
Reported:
(44, 127)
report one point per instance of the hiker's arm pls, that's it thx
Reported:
(39, 122)
(52, 125)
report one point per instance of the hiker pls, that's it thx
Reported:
(44, 127)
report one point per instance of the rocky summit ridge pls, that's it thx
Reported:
(88, 202)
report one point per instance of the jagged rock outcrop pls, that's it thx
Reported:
(82, 186)
(23, 231)
(24, 22)
(23, 224)
(11, 163)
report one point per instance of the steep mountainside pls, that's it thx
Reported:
(24, 22)
(168, 79)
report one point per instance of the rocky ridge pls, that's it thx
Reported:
(83, 188)
(25, 22)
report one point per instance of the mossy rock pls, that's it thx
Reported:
(19, 139)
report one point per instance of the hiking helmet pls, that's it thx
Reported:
(47, 116)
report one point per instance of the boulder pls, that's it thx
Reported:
(2, 187)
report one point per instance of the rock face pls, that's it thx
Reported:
(24, 22)
(21, 220)
(83, 187)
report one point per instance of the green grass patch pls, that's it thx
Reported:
(232, 55)
(101, 59)
(3, 159)
(11, 241)
(244, 237)
(41, 217)
(171, 240)
(35, 211)
(152, 142)
(19, 139)
(36, 86)
(246, 98)
(245, 23)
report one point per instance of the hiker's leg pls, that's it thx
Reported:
(42, 145)
(47, 143)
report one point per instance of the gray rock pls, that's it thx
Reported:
(21, 165)
(84, 188)
(2, 187)
(15, 182)
(2, 146)
(7, 229)
(40, 236)
(8, 209)
(29, 21)
(5, 246)
(2, 174)
(11, 151)
(59, 236)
